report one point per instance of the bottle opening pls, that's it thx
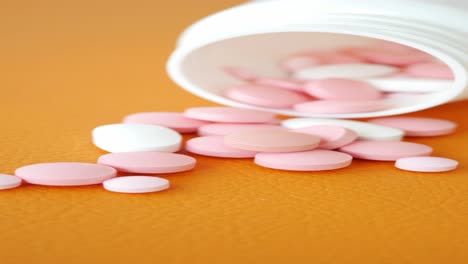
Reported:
(317, 75)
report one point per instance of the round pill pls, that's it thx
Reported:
(402, 57)
(65, 173)
(229, 115)
(148, 162)
(272, 141)
(365, 130)
(391, 46)
(298, 62)
(265, 96)
(240, 73)
(176, 121)
(280, 83)
(332, 137)
(433, 70)
(353, 71)
(136, 137)
(339, 58)
(313, 160)
(385, 150)
(214, 146)
(341, 89)
(317, 57)
(9, 182)
(341, 106)
(418, 126)
(136, 184)
(426, 164)
(225, 129)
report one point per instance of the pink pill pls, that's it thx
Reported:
(331, 56)
(341, 89)
(403, 57)
(299, 62)
(391, 46)
(313, 160)
(225, 129)
(265, 96)
(333, 137)
(176, 121)
(337, 58)
(240, 73)
(229, 115)
(341, 107)
(148, 162)
(272, 141)
(65, 173)
(214, 146)
(280, 83)
(385, 150)
(418, 126)
(136, 184)
(430, 70)
(426, 164)
(9, 182)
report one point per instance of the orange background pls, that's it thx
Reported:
(68, 66)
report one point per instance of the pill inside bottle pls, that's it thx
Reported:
(319, 75)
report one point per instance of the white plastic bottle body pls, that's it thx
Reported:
(257, 34)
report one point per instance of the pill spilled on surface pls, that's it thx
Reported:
(352, 80)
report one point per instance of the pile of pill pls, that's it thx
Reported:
(352, 80)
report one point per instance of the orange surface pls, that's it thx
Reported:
(68, 66)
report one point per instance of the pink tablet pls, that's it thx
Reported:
(341, 89)
(225, 129)
(65, 173)
(214, 146)
(240, 73)
(148, 162)
(396, 57)
(313, 160)
(341, 106)
(265, 96)
(287, 84)
(434, 70)
(176, 121)
(418, 126)
(299, 62)
(385, 150)
(229, 115)
(272, 141)
(332, 137)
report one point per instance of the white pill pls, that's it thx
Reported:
(410, 85)
(365, 130)
(9, 181)
(136, 137)
(352, 71)
(136, 184)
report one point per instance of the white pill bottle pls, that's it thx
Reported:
(258, 34)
